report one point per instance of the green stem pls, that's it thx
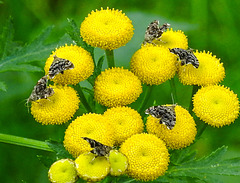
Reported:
(194, 90)
(173, 92)
(110, 58)
(201, 130)
(26, 142)
(83, 98)
(145, 98)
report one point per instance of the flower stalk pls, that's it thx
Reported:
(173, 91)
(26, 142)
(145, 98)
(110, 58)
(83, 98)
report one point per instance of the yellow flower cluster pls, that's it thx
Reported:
(89, 125)
(209, 72)
(216, 105)
(183, 133)
(57, 109)
(117, 87)
(147, 156)
(143, 156)
(107, 29)
(153, 64)
(81, 59)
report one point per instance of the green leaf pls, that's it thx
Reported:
(3, 86)
(46, 160)
(58, 147)
(205, 168)
(74, 32)
(180, 156)
(35, 51)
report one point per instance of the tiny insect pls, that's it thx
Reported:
(59, 65)
(40, 90)
(154, 32)
(98, 148)
(166, 114)
(186, 56)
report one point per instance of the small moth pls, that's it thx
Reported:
(98, 148)
(186, 56)
(40, 90)
(154, 32)
(59, 65)
(166, 114)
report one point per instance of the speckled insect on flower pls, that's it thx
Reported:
(186, 56)
(154, 32)
(98, 148)
(40, 90)
(166, 114)
(59, 65)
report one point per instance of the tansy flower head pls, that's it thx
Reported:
(90, 125)
(91, 168)
(80, 58)
(182, 134)
(107, 29)
(118, 163)
(125, 121)
(117, 87)
(147, 156)
(63, 171)
(173, 39)
(216, 105)
(58, 108)
(209, 72)
(153, 64)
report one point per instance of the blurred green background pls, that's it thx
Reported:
(211, 25)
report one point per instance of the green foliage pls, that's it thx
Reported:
(20, 58)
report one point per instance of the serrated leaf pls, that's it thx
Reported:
(99, 65)
(206, 167)
(3, 86)
(46, 160)
(58, 147)
(180, 156)
(35, 51)
(74, 32)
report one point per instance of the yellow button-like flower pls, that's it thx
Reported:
(216, 105)
(92, 168)
(58, 108)
(63, 171)
(125, 121)
(81, 59)
(118, 163)
(117, 87)
(173, 39)
(90, 125)
(209, 72)
(107, 29)
(182, 134)
(147, 156)
(153, 64)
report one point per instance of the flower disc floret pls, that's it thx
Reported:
(216, 105)
(57, 109)
(117, 87)
(209, 72)
(92, 168)
(89, 125)
(173, 39)
(182, 134)
(63, 171)
(125, 122)
(147, 156)
(153, 64)
(81, 59)
(107, 29)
